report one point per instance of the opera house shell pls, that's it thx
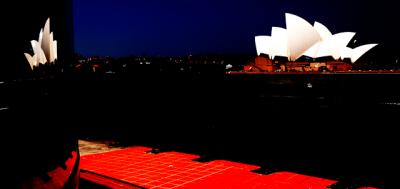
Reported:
(44, 49)
(300, 38)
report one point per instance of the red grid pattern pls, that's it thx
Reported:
(177, 170)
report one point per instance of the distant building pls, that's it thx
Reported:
(264, 64)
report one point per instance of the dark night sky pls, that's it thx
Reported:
(180, 27)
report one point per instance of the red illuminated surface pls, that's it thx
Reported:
(178, 170)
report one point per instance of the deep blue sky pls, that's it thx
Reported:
(180, 27)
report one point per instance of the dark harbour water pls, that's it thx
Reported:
(338, 126)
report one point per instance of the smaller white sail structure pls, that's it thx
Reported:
(322, 30)
(361, 50)
(32, 60)
(263, 44)
(279, 42)
(45, 49)
(300, 38)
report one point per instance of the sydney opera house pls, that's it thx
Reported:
(305, 47)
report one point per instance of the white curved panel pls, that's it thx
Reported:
(339, 42)
(46, 39)
(51, 48)
(40, 40)
(34, 45)
(279, 42)
(325, 49)
(346, 52)
(301, 36)
(55, 50)
(31, 60)
(313, 51)
(323, 31)
(34, 57)
(361, 50)
(334, 45)
(38, 51)
(263, 44)
(41, 56)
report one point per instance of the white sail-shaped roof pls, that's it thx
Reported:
(325, 35)
(40, 37)
(55, 50)
(301, 36)
(323, 31)
(313, 51)
(325, 49)
(279, 41)
(51, 53)
(346, 53)
(333, 46)
(40, 55)
(31, 59)
(361, 50)
(340, 41)
(263, 44)
(46, 39)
